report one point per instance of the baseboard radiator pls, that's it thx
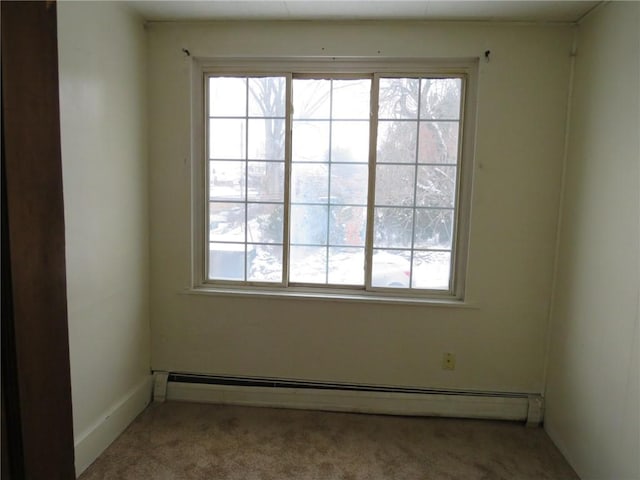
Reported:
(341, 397)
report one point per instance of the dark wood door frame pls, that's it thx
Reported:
(37, 437)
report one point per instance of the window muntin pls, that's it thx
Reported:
(424, 259)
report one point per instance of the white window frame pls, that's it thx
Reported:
(375, 68)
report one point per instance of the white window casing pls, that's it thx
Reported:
(331, 68)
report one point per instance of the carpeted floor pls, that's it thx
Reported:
(185, 441)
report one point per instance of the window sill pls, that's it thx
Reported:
(330, 295)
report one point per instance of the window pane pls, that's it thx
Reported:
(434, 228)
(308, 225)
(226, 261)
(438, 142)
(393, 227)
(266, 139)
(267, 97)
(227, 138)
(308, 265)
(266, 181)
(265, 222)
(436, 186)
(398, 98)
(349, 184)
(349, 141)
(226, 222)
(431, 270)
(440, 98)
(397, 142)
(311, 98)
(227, 97)
(309, 183)
(265, 263)
(347, 226)
(226, 180)
(351, 98)
(391, 268)
(310, 142)
(395, 185)
(346, 266)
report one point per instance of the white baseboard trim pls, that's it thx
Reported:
(485, 406)
(95, 439)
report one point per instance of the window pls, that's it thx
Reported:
(341, 180)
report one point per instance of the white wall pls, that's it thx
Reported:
(592, 399)
(102, 56)
(499, 338)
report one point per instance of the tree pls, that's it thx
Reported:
(268, 94)
(404, 139)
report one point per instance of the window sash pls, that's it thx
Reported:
(455, 269)
(331, 164)
(245, 198)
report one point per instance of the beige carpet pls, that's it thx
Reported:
(211, 442)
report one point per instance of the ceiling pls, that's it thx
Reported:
(474, 10)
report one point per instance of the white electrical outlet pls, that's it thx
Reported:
(448, 361)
